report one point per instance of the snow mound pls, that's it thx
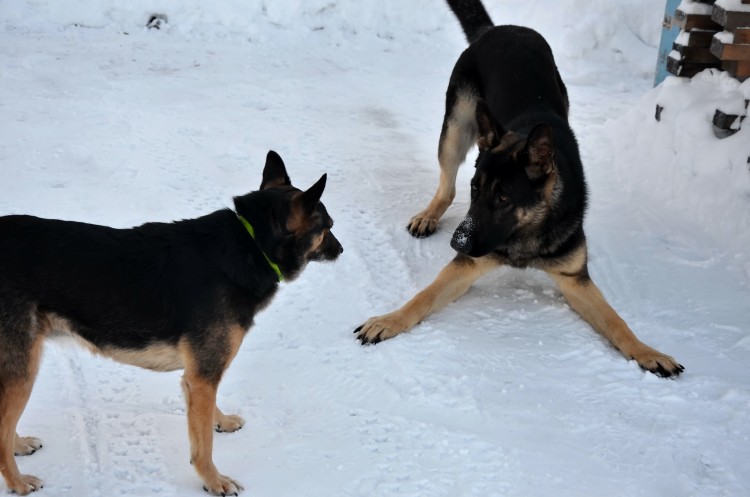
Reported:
(679, 161)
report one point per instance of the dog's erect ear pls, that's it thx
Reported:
(540, 147)
(489, 132)
(311, 197)
(274, 174)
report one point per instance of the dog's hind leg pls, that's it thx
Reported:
(452, 282)
(458, 134)
(19, 363)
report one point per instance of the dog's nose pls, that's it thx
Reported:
(461, 242)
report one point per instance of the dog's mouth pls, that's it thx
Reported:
(329, 250)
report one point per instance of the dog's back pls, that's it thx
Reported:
(532, 89)
(126, 282)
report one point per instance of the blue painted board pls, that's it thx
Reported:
(669, 33)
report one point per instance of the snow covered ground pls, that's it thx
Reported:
(506, 392)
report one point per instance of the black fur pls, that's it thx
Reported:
(163, 296)
(473, 17)
(512, 73)
(528, 194)
(155, 283)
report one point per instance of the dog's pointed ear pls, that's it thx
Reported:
(489, 131)
(311, 197)
(540, 148)
(274, 173)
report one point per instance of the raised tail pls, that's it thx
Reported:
(473, 17)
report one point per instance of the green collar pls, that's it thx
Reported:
(250, 230)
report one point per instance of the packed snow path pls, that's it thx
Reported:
(504, 393)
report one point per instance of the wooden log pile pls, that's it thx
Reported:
(732, 45)
(691, 51)
(713, 34)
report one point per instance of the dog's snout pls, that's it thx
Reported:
(462, 240)
(334, 246)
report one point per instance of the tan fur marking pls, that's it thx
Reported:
(14, 394)
(587, 300)
(200, 395)
(510, 141)
(316, 243)
(452, 282)
(227, 422)
(550, 188)
(460, 134)
(532, 216)
(25, 446)
(157, 357)
(298, 221)
(574, 264)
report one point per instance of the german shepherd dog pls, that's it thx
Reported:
(162, 296)
(528, 194)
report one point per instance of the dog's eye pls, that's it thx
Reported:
(474, 191)
(503, 199)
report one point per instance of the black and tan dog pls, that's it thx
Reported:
(528, 195)
(162, 296)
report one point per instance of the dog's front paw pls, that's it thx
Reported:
(228, 423)
(25, 485)
(658, 363)
(380, 328)
(222, 485)
(25, 446)
(422, 225)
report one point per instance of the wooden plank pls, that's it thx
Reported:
(742, 35)
(737, 69)
(700, 38)
(725, 51)
(686, 69)
(741, 70)
(724, 121)
(689, 22)
(730, 19)
(695, 54)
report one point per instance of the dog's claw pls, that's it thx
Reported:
(663, 372)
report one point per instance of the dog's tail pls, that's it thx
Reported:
(473, 17)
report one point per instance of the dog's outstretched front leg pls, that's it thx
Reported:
(200, 395)
(452, 282)
(586, 299)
